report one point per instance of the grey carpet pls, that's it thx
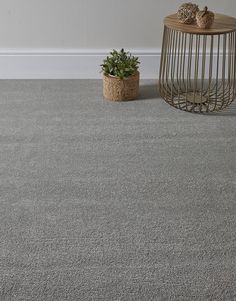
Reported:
(113, 201)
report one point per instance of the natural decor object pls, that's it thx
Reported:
(120, 76)
(205, 18)
(187, 13)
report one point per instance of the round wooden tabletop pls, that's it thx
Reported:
(222, 24)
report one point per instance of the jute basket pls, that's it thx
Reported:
(117, 89)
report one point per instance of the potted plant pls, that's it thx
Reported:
(120, 76)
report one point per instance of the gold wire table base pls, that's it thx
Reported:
(198, 71)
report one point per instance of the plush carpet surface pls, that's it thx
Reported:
(113, 201)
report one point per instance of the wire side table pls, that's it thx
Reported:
(198, 66)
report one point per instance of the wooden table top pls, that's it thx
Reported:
(222, 24)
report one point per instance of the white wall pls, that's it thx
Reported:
(49, 27)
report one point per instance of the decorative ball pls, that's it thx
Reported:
(187, 13)
(205, 18)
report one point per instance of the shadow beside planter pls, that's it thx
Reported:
(117, 89)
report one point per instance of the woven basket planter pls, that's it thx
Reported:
(117, 89)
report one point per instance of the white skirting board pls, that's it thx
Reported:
(66, 64)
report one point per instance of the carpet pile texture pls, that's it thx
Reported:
(113, 201)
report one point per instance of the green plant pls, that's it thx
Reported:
(120, 63)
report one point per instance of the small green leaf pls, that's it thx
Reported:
(120, 63)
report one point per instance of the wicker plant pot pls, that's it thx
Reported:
(117, 89)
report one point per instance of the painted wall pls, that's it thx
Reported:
(89, 24)
(70, 38)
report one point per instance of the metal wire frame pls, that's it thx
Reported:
(198, 72)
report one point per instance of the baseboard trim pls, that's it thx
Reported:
(67, 63)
